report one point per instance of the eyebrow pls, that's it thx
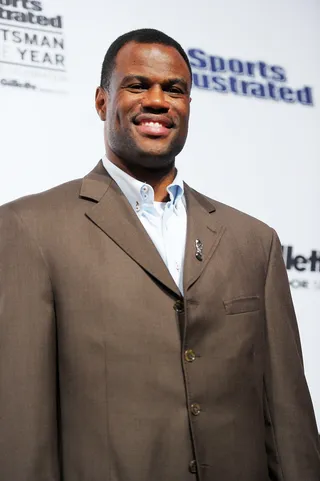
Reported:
(167, 82)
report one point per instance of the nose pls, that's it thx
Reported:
(155, 99)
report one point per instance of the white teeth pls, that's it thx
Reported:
(152, 124)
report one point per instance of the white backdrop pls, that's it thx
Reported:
(257, 154)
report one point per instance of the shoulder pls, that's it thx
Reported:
(232, 216)
(58, 198)
(247, 231)
(43, 216)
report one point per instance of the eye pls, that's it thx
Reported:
(175, 90)
(136, 87)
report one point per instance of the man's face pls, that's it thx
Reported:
(147, 106)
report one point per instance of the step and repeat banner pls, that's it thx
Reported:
(254, 139)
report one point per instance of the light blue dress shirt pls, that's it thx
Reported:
(165, 222)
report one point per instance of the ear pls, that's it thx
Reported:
(101, 103)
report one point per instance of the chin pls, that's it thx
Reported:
(168, 151)
(153, 158)
(154, 150)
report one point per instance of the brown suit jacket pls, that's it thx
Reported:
(106, 374)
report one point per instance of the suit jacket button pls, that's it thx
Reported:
(178, 306)
(189, 355)
(195, 409)
(193, 467)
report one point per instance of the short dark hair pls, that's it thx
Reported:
(143, 35)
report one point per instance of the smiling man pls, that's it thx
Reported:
(147, 332)
(144, 99)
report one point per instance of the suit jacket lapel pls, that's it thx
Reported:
(204, 226)
(113, 214)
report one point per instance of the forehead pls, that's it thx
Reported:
(150, 59)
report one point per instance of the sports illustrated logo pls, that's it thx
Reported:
(32, 48)
(249, 79)
(302, 264)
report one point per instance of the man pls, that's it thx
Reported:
(146, 331)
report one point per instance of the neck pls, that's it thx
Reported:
(159, 179)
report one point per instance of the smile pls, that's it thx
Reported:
(153, 128)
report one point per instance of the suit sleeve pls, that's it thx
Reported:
(292, 441)
(28, 412)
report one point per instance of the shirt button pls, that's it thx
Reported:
(178, 306)
(193, 467)
(189, 355)
(195, 409)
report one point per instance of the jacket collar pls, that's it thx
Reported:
(127, 231)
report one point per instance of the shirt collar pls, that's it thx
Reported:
(140, 195)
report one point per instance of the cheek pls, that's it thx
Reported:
(115, 121)
(125, 104)
(183, 112)
(184, 121)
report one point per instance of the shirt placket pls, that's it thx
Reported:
(169, 244)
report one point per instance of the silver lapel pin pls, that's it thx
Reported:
(199, 250)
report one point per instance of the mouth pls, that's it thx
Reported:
(153, 126)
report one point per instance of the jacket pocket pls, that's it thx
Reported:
(243, 304)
